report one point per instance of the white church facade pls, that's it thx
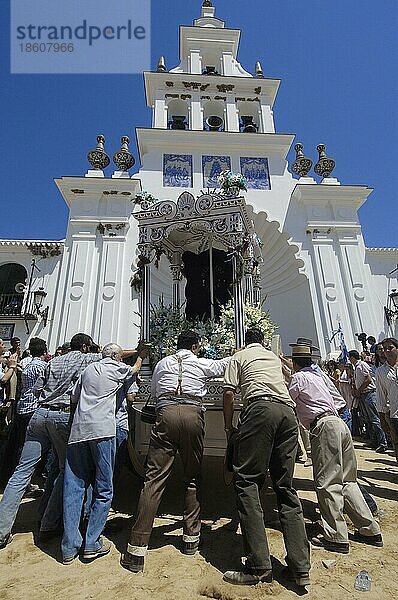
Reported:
(306, 254)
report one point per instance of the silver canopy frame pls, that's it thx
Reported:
(212, 220)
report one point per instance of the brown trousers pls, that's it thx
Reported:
(178, 428)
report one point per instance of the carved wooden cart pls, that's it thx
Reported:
(211, 221)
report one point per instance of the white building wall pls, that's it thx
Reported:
(45, 276)
(316, 270)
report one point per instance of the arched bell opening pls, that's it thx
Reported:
(210, 61)
(178, 114)
(213, 116)
(249, 117)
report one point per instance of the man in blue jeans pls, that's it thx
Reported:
(48, 427)
(91, 452)
(365, 390)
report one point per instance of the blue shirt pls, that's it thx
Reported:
(54, 386)
(122, 415)
(95, 396)
(28, 401)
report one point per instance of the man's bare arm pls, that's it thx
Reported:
(228, 409)
(11, 367)
(366, 382)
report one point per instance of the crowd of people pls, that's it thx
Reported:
(67, 417)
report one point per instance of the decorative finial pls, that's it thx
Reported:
(161, 68)
(123, 159)
(259, 70)
(325, 165)
(207, 3)
(98, 158)
(302, 165)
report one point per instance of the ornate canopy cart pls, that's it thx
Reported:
(214, 227)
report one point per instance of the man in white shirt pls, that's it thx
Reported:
(91, 451)
(8, 366)
(365, 390)
(179, 385)
(387, 384)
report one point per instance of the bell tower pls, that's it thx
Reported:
(222, 103)
(209, 107)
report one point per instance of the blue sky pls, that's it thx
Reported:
(338, 66)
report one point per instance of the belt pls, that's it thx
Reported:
(180, 398)
(65, 409)
(327, 413)
(268, 398)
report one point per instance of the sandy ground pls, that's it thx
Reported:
(34, 571)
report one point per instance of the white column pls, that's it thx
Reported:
(232, 123)
(239, 310)
(196, 112)
(257, 286)
(176, 275)
(249, 266)
(330, 290)
(211, 281)
(78, 285)
(160, 112)
(145, 303)
(226, 62)
(267, 116)
(145, 310)
(356, 288)
(195, 62)
(109, 300)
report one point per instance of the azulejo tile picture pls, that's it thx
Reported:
(177, 170)
(256, 172)
(7, 331)
(212, 166)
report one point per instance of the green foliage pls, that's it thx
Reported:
(228, 179)
(217, 337)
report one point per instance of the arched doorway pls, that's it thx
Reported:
(12, 294)
(197, 290)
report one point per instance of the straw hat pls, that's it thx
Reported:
(300, 351)
(314, 351)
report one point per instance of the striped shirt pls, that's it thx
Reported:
(28, 402)
(55, 385)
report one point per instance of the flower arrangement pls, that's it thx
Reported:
(144, 198)
(136, 278)
(217, 337)
(165, 326)
(228, 180)
(136, 281)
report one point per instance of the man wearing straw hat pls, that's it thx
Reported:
(333, 457)
(266, 438)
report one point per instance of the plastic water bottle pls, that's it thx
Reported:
(363, 582)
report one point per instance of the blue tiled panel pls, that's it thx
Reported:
(212, 166)
(177, 170)
(256, 171)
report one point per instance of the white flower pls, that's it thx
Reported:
(144, 196)
(219, 336)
